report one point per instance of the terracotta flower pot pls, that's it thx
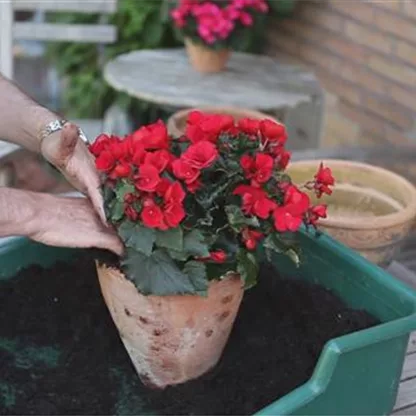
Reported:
(371, 209)
(171, 339)
(206, 60)
(177, 122)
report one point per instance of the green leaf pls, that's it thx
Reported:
(178, 255)
(124, 188)
(208, 194)
(108, 196)
(116, 210)
(138, 237)
(293, 255)
(153, 30)
(247, 267)
(197, 272)
(194, 244)
(273, 243)
(238, 220)
(156, 274)
(172, 239)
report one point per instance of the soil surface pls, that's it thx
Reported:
(61, 354)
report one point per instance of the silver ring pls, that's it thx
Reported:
(82, 136)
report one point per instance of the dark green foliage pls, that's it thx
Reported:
(142, 24)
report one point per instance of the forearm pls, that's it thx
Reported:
(18, 212)
(21, 118)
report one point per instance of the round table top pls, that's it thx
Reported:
(165, 77)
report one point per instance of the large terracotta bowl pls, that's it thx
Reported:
(177, 122)
(371, 209)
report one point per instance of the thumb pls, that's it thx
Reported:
(111, 242)
(96, 198)
(67, 142)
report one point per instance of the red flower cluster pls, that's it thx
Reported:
(323, 181)
(143, 157)
(216, 21)
(258, 199)
(163, 175)
(200, 127)
(188, 166)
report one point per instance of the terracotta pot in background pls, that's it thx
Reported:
(206, 60)
(177, 122)
(371, 209)
(171, 339)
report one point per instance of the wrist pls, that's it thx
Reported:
(41, 118)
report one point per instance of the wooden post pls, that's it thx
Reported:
(6, 38)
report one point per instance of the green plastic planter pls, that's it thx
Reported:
(357, 374)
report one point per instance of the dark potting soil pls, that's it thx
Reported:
(60, 352)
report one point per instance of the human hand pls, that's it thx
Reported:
(72, 158)
(70, 222)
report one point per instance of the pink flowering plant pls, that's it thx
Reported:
(217, 24)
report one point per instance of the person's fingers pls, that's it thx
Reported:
(94, 193)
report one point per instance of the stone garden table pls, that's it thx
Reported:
(257, 82)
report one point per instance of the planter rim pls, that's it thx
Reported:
(332, 352)
(408, 213)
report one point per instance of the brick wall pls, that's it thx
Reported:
(364, 53)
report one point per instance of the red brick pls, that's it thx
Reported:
(303, 30)
(323, 39)
(368, 37)
(394, 5)
(344, 90)
(409, 8)
(403, 97)
(396, 25)
(314, 55)
(406, 52)
(389, 111)
(394, 71)
(357, 9)
(320, 16)
(367, 121)
(282, 41)
(360, 75)
(394, 135)
(346, 48)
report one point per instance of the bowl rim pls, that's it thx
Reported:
(407, 214)
(172, 120)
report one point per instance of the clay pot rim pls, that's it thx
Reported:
(103, 266)
(201, 44)
(228, 110)
(407, 214)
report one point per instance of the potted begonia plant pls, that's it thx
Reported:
(191, 212)
(211, 28)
